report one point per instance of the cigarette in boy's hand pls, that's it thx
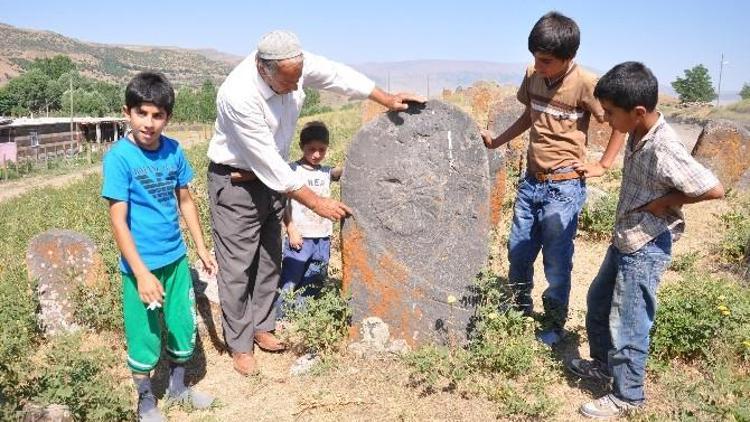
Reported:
(153, 305)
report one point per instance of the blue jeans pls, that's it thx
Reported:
(545, 218)
(621, 307)
(304, 269)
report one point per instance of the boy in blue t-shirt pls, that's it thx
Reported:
(146, 178)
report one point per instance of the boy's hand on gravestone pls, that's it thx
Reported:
(487, 139)
(150, 289)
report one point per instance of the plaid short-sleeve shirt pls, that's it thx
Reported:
(656, 165)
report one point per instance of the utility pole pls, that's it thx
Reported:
(70, 79)
(721, 70)
(428, 85)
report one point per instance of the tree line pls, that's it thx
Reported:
(45, 89)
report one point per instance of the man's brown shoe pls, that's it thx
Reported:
(244, 363)
(268, 342)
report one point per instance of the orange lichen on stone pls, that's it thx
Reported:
(497, 195)
(382, 292)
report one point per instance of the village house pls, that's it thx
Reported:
(46, 137)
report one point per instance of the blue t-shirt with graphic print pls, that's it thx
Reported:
(146, 180)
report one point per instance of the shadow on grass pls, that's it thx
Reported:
(567, 350)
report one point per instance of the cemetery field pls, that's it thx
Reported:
(700, 368)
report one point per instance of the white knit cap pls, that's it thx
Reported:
(279, 45)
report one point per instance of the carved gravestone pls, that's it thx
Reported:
(724, 147)
(418, 183)
(60, 261)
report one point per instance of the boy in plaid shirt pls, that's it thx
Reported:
(659, 176)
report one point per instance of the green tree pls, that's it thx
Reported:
(86, 102)
(54, 67)
(312, 103)
(745, 91)
(207, 102)
(695, 86)
(28, 92)
(185, 106)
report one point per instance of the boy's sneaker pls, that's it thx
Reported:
(590, 370)
(608, 407)
(550, 337)
(190, 397)
(147, 410)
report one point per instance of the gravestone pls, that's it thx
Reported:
(60, 261)
(502, 115)
(724, 147)
(418, 183)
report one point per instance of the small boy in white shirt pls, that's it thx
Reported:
(308, 245)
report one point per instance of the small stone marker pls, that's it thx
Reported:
(60, 261)
(418, 182)
(724, 147)
(51, 413)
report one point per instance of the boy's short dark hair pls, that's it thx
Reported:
(629, 85)
(555, 34)
(150, 87)
(313, 131)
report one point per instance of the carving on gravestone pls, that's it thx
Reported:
(60, 261)
(418, 182)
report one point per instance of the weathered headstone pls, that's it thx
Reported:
(418, 183)
(724, 147)
(60, 261)
(598, 134)
(503, 114)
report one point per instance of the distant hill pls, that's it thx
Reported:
(417, 75)
(108, 62)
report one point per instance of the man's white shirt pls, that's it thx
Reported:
(254, 125)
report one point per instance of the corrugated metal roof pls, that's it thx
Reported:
(40, 121)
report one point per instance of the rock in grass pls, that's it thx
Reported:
(60, 261)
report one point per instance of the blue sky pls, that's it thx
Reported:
(669, 36)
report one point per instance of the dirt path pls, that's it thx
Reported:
(18, 187)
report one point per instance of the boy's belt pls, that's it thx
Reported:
(235, 174)
(556, 177)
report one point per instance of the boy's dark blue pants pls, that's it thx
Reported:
(305, 269)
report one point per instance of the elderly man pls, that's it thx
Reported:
(257, 110)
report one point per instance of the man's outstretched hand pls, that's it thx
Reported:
(398, 102)
(331, 209)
